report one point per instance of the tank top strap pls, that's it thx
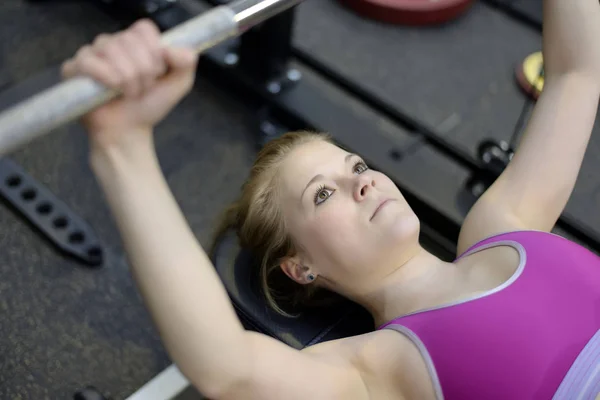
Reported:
(498, 237)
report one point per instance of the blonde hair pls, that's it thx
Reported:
(258, 220)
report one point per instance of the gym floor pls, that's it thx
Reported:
(64, 325)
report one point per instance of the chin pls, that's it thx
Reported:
(405, 228)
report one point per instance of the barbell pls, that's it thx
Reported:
(73, 98)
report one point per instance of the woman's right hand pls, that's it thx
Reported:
(152, 78)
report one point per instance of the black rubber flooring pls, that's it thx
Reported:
(64, 325)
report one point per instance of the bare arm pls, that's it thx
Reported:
(534, 189)
(189, 304)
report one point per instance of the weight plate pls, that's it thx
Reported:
(528, 74)
(410, 12)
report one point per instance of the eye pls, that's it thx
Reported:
(322, 194)
(359, 167)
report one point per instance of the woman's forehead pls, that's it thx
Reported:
(308, 160)
(313, 155)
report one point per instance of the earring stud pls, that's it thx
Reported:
(311, 277)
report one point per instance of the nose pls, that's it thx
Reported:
(364, 184)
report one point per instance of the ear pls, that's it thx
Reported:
(299, 273)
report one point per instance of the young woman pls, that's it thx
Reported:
(516, 316)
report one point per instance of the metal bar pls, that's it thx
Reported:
(73, 98)
(249, 13)
(165, 386)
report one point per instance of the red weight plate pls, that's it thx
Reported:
(410, 12)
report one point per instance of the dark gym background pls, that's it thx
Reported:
(63, 325)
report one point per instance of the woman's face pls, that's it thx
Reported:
(351, 224)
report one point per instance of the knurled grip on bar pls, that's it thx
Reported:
(73, 98)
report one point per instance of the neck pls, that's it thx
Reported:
(414, 285)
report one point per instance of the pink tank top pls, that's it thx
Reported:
(537, 336)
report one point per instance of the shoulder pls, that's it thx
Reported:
(389, 363)
(485, 220)
(361, 348)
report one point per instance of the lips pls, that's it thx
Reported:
(381, 205)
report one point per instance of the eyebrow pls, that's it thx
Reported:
(320, 176)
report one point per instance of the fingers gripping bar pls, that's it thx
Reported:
(71, 99)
